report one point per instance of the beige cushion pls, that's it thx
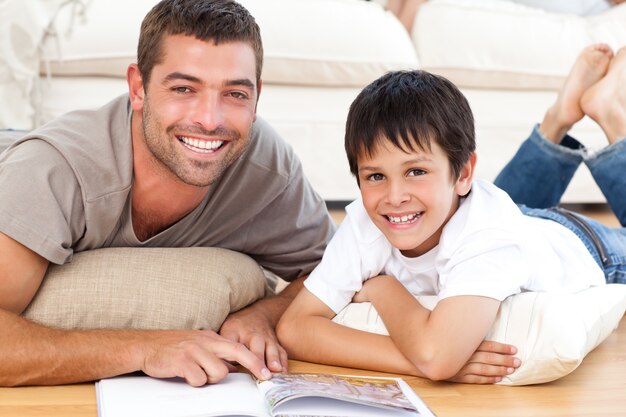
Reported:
(500, 44)
(553, 332)
(306, 42)
(148, 288)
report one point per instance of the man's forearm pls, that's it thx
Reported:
(273, 307)
(36, 355)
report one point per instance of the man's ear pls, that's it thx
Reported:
(464, 182)
(258, 95)
(135, 87)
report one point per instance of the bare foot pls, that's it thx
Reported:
(605, 102)
(405, 11)
(590, 66)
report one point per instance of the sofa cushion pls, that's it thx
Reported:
(23, 25)
(500, 44)
(306, 42)
(552, 332)
(330, 42)
(147, 288)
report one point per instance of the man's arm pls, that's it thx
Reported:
(34, 354)
(254, 326)
(307, 332)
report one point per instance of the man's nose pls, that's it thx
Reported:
(208, 112)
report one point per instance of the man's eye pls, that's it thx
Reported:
(376, 177)
(182, 90)
(239, 95)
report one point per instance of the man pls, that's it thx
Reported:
(180, 161)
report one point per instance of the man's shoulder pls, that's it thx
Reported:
(95, 143)
(269, 151)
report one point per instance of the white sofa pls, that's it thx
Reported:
(508, 59)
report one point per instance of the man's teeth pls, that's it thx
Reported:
(409, 218)
(202, 145)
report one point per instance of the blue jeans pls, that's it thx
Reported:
(538, 175)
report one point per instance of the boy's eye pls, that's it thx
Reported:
(376, 177)
(416, 172)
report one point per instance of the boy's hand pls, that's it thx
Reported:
(362, 296)
(490, 362)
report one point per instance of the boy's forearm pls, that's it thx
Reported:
(319, 340)
(410, 327)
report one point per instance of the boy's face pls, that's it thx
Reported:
(411, 196)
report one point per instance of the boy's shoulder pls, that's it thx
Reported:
(487, 210)
(365, 231)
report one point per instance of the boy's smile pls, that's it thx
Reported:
(410, 195)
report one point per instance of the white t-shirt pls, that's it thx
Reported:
(488, 248)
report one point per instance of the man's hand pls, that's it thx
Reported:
(198, 356)
(255, 326)
(490, 362)
(252, 327)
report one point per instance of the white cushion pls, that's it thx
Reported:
(500, 44)
(22, 26)
(306, 42)
(552, 332)
(330, 42)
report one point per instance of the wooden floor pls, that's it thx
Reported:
(597, 388)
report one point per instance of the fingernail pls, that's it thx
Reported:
(276, 365)
(266, 373)
(509, 370)
(498, 379)
(517, 362)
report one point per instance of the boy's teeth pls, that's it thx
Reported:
(403, 219)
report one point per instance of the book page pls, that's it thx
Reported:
(336, 395)
(143, 396)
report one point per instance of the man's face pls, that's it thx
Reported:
(199, 107)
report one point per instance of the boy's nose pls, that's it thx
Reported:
(397, 194)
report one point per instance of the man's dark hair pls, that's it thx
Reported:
(409, 109)
(220, 21)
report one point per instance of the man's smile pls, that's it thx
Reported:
(201, 146)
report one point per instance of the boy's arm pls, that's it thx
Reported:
(439, 343)
(307, 332)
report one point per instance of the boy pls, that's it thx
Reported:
(424, 226)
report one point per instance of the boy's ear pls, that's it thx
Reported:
(464, 182)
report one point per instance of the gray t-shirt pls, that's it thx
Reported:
(66, 188)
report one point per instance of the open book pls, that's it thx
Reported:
(239, 394)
